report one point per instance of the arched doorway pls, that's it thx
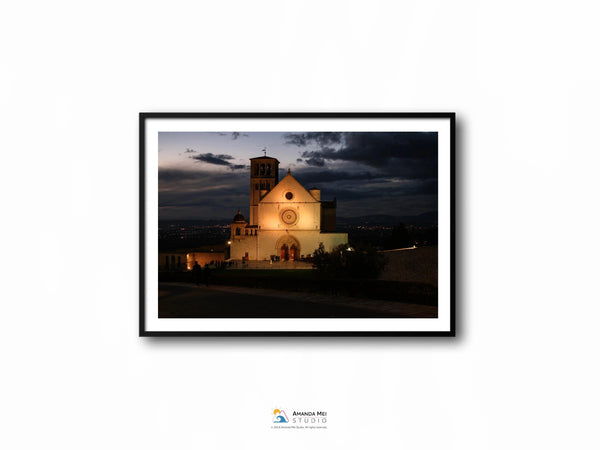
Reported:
(288, 247)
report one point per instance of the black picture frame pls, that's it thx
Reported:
(144, 117)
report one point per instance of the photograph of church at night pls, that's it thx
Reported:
(287, 222)
(297, 224)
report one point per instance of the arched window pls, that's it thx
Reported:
(255, 169)
(237, 231)
(268, 169)
(262, 169)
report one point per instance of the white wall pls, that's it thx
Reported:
(307, 209)
(523, 80)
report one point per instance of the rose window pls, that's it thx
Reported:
(289, 217)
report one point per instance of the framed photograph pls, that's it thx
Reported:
(297, 224)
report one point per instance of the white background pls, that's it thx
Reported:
(523, 80)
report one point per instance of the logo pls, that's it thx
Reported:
(299, 419)
(279, 416)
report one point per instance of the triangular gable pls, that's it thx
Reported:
(288, 184)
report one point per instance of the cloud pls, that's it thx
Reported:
(206, 194)
(176, 175)
(218, 160)
(315, 161)
(234, 135)
(181, 180)
(200, 193)
(406, 154)
(321, 139)
(213, 159)
(368, 173)
(381, 190)
(382, 197)
(309, 176)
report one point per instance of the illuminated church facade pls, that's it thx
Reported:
(287, 222)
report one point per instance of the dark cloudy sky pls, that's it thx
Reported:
(207, 176)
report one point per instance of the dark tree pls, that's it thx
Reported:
(400, 238)
(344, 261)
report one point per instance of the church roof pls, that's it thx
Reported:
(264, 157)
(239, 217)
(289, 184)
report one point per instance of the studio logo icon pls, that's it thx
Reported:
(279, 416)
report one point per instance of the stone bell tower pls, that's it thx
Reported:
(264, 175)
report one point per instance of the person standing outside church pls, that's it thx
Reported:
(197, 272)
(206, 274)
